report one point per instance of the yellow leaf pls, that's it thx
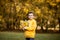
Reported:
(38, 11)
(18, 8)
(26, 10)
(53, 4)
(23, 24)
(57, 0)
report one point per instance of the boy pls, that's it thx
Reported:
(30, 29)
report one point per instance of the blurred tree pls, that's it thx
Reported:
(14, 10)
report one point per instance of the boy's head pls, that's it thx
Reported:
(30, 15)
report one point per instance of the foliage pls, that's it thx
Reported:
(18, 9)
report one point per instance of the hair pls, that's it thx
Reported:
(30, 13)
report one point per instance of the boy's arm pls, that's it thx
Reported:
(32, 26)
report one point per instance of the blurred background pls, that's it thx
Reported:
(47, 14)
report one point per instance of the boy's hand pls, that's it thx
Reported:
(24, 28)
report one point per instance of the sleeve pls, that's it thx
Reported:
(32, 26)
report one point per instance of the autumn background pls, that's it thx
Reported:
(47, 16)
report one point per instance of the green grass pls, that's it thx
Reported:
(20, 36)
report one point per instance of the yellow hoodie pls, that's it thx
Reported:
(30, 29)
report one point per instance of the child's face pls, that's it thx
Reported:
(30, 16)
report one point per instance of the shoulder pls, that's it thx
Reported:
(34, 21)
